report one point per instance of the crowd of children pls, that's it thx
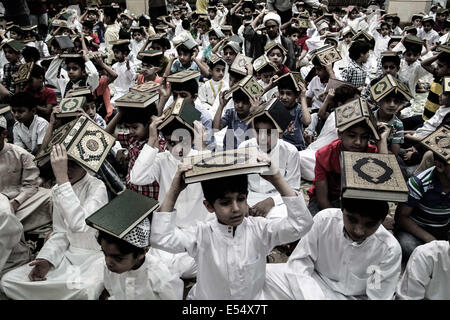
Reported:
(302, 61)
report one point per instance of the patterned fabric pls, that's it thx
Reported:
(431, 204)
(8, 71)
(139, 236)
(354, 74)
(134, 147)
(432, 103)
(236, 126)
(395, 126)
(294, 132)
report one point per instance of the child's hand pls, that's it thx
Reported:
(272, 170)
(199, 136)
(153, 131)
(222, 100)
(178, 183)
(302, 89)
(262, 208)
(254, 104)
(172, 56)
(383, 130)
(58, 160)
(40, 270)
(127, 63)
(164, 92)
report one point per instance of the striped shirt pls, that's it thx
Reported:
(431, 204)
(432, 103)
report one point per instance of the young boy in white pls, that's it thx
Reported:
(69, 265)
(427, 274)
(348, 254)
(231, 249)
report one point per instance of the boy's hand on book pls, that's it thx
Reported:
(153, 131)
(178, 183)
(272, 170)
(58, 160)
(384, 130)
(199, 136)
(262, 208)
(40, 270)
(222, 100)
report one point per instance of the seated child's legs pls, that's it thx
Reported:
(276, 286)
(408, 242)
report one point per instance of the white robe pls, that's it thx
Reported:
(72, 248)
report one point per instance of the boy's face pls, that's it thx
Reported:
(359, 227)
(294, 37)
(248, 14)
(74, 71)
(86, 30)
(417, 22)
(119, 55)
(444, 99)
(231, 209)
(392, 45)
(36, 83)
(23, 115)
(157, 46)
(348, 38)
(179, 143)
(442, 68)
(410, 57)
(137, 130)
(365, 56)
(441, 17)
(185, 58)
(389, 67)
(211, 14)
(213, 40)
(384, 30)
(288, 97)
(266, 76)
(14, 35)
(355, 139)
(242, 108)
(266, 136)
(276, 56)
(229, 55)
(427, 26)
(353, 14)
(185, 95)
(322, 73)
(10, 55)
(177, 15)
(218, 72)
(390, 104)
(137, 36)
(390, 21)
(90, 109)
(116, 261)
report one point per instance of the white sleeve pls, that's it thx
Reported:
(52, 72)
(41, 131)
(92, 75)
(11, 231)
(146, 169)
(202, 92)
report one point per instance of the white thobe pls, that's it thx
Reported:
(231, 267)
(72, 249)
(427, 275)
(125, 79)
(30, 137)
(430, 125)
(345, 269)
(151, 281)
(209, 91)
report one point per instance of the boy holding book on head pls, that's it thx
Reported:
(426, 215)
(80, 72)
(11, 49)
(187, 59)
(231, 248)
(347, 255)
(326, 187)
(355, 73)
(124, 68)
(277, 55)
(137, 121)
(318, 84)
(29, 130)
(152, 66)
(102, 94)
(69, 265)
(90, 107)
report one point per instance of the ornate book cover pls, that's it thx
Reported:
(223, 164)
(446, 84)
(24, 72)
(372, 176)
(85, 141)
(327, 55)
(439, 143)
(388, 84)
(261, 62)
(183, 76)
(249, 86)
(137, 99)
(146, 87)
(122, 213)
(80, 91)
(239, 63)
(182, 111)
(70, 107)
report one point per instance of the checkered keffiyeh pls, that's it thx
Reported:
(139, 236)
(354, 74)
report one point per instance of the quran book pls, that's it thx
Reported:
(145, 87)
(150, 53)
(439, 143)
(64, 42)
(327, 55)
(223, 164)
(335, 83)
(387, 85)
(122, 213)
(303, 23)
(353, 112)
(189, 43)
(444, 48)
(24, 72)
(182, 111)
(137, 99)
(364, 34)
(183, 76)
(14, 44)
(446, 84)
(4, 108)
(372, 176)
(215, 58)
(235, 38)
(85, 142)
(263, 61)
(70, 107)
(410, 39)
(249, 86)
(239, 63)
(276, 111)
(70, 55)
(294, 77)
(273, 44)
(80, 91)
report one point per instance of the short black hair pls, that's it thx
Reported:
(183, 49)
(286, 83)
(375, 209)
(123, 246)
(163, 42)
(122, 48)
(191, 86)
(31, 54)
(37, 72)
(88, 24)
(416, 49)
(344, 92)
(78, 61)
(239, 95)
(236, 75)
(175, 125)
(444, 57)
(23, 99)
(394, 59)
(217, 188)
(357, 48)
(139, 115)
(218, 63)
(264, 119)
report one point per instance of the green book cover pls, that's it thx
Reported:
(123, 213)
(189, 114)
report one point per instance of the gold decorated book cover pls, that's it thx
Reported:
(439, 143)
(70, 107)
(24, 72)
(146, 87)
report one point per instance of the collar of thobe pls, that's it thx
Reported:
(6, 148)
(212, 87)
(227, 230)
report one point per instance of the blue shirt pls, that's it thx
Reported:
(236, 127)
(177, 67)
(294, 132)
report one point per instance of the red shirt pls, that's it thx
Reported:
(283, 71)
(328, 168)
(45, 97)
(103, 90)
(301, 42)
